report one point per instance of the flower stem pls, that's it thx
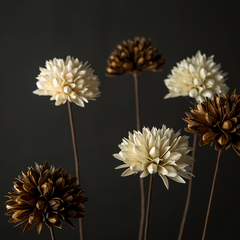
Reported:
(189, 187)
(52, 233)
(76, 160)
(140, 234)
(211, 194)
(137, 102)
(189, 191)
(148, 206)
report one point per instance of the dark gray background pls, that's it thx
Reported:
(34, 130)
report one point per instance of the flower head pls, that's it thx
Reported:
(156, 151)
(217, 120)
(134, 57)
(68, 80)
(45, 194)
(197, 77)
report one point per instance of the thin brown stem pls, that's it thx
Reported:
(189, 187)
(74, 142)
(189, 191)
(148, 206)
(140, 234)
(52, 233)
(137, 102)
(142, 210)
(211, 194)
(76, 160)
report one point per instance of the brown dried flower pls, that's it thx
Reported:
(134, 57)
(217, 120)
(45, 194)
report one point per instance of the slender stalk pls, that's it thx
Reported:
(140, 234)
(52, 233)
(148, 206)
(211, 194)
(76, 160)
(74, 142)
(189, 187)
(137, 102)
(142, 209)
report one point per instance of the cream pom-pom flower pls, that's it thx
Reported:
(159, 151)
(68, 80)
(197, 77)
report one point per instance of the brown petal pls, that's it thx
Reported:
(37, 212)
(37, 167)
(55, 203)
(208, 136)
(189, 115)
(39, 227)
(21, 222)
(218, 146)
(223, 140)
(227, 108)
(201, 107)
(220, 112)
(20, 213)
(53, 218)
(200, 118)
(71, 213)
(141, 61)
(13, 220)
(10, 203)
(60, 183)
(28, 187)
(69, 223)
(25, 177)
(128, 65)
(47, 188)
(227, 125)
(28, 227)
(234, 120)
(119, 47)
(41, 204)
(58, 225)
(34, 220)
(41, 181)
(211, 109)
(189, 130)
(32, 202)
(68, 198)
(33, 177)
(219, 101)
(202, 142)
(211, 119)
(26, 198)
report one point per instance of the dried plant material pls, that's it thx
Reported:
(134, 57)
(218, 120)
(45, 194)
(159, 151)
(68, 80)
(197, 77)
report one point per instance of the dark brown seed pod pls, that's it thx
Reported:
(134, 57)
(217, 120)
(45, 194)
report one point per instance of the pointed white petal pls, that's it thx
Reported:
(165, 180)
(127, 172)
(122, 166)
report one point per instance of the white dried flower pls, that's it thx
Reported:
(68, 80)
(197, 77)
(156, 151)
